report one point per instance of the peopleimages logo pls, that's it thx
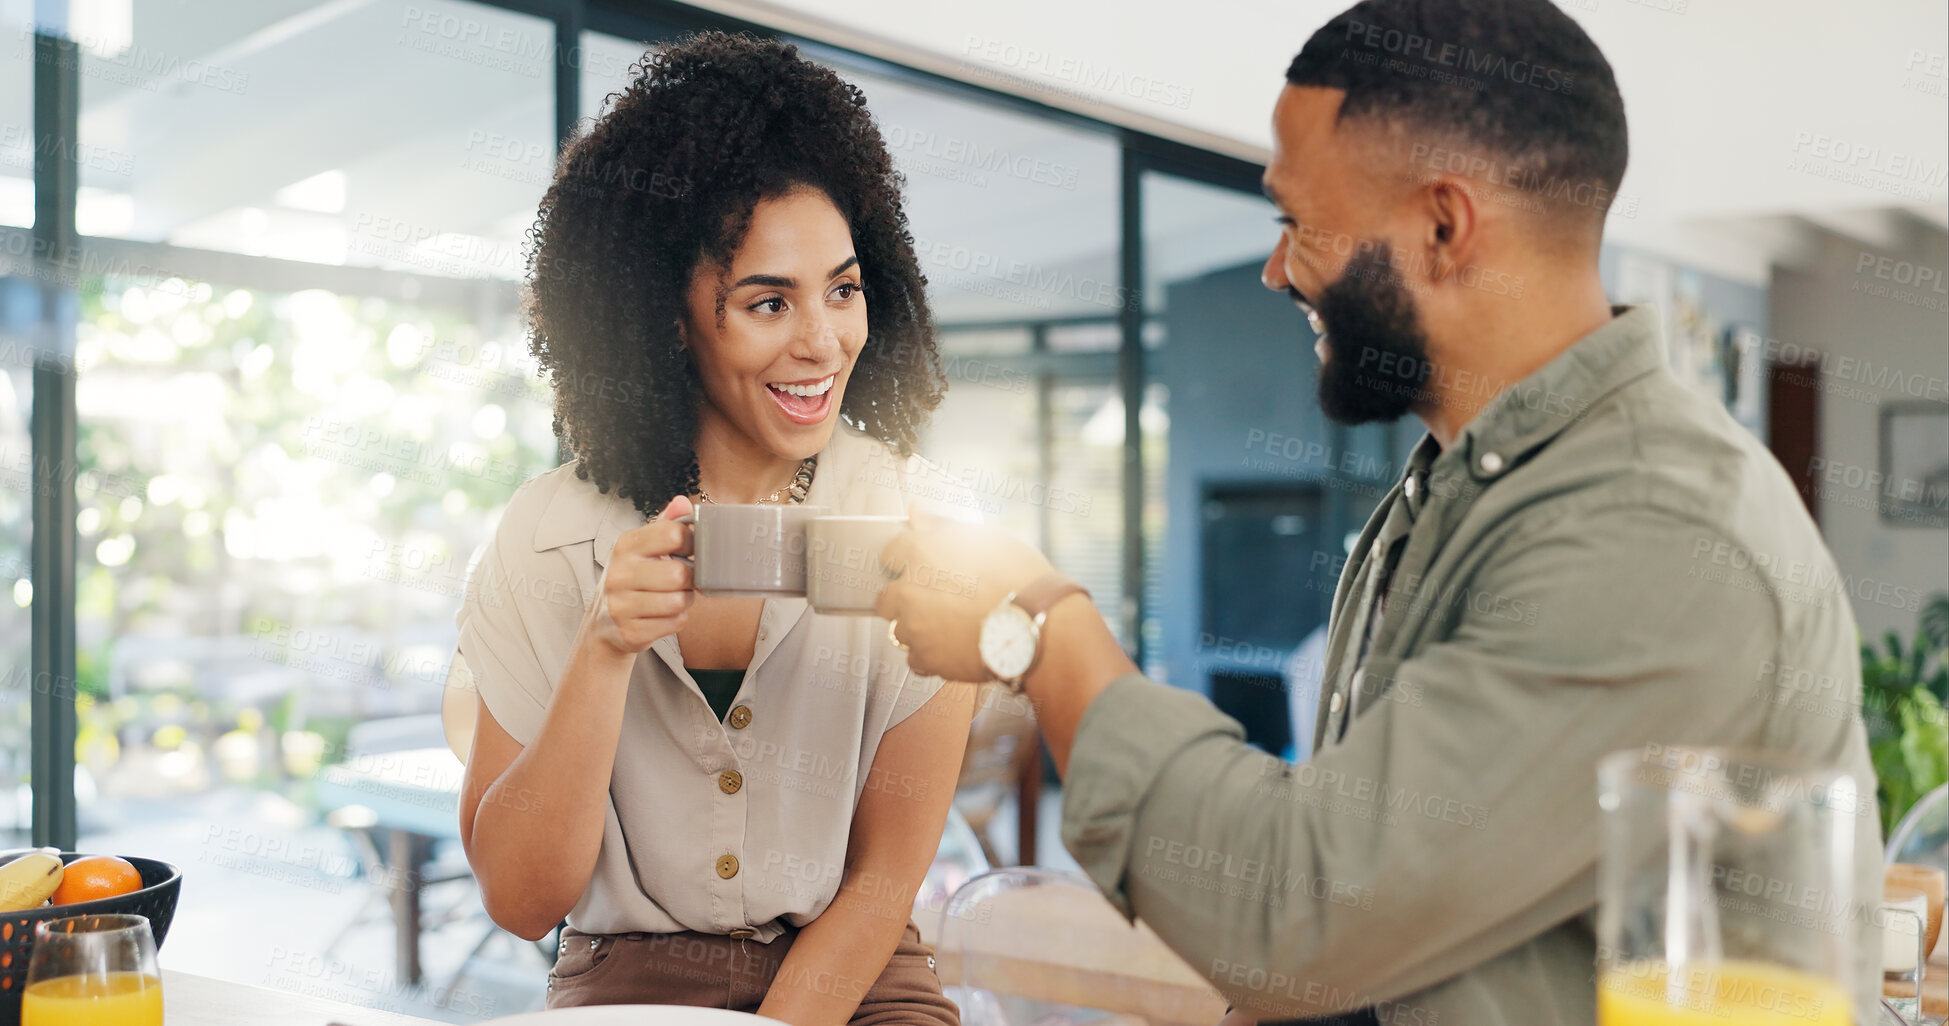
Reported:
(1528, 180)
(16, 139)
(1414, 46)
(997, 160)
(1090, 77)
(132, 64)
(1893, 172)
(1034, 279)
(1870, 157)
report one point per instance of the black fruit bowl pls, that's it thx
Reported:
(156, 901)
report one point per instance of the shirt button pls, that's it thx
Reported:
(1359, 681)
(743, 934)
(1491, 462)
(1409, 487)
(727, 866)
(741, 717)
(729, 781)
(1333, 704)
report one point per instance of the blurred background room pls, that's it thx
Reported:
(259, 274)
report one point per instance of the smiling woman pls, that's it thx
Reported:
(717, 144)
(715, 824)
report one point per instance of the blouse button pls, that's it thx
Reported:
(741, 717)
(729, 781)
(727, 866)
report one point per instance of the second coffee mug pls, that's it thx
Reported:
(749, 551)
(842, 556)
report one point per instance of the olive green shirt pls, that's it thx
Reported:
(1602, 560)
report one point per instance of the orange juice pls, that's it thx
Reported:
(1723, 994)
(118, 999)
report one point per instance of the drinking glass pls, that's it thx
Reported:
(93, 971)
(1902, 919)
(1725, 889)
(1933, 882)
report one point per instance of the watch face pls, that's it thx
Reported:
(1008, 641)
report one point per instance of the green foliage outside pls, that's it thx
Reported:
(1904, 689)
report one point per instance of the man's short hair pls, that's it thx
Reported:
(1516, 83)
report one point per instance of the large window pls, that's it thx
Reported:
(20, 338)
(290, 485)
(19, 334)
(1014, 222)
(16, 118)
(1243, 585)
(304, 395)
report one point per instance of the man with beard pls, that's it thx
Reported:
(1581, 556)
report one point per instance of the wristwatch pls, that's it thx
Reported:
(1011, 634)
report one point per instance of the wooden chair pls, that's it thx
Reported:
(1004, 758)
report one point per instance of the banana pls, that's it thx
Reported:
(15, 853)
(29, 880)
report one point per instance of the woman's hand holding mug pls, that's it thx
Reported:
(646, 592)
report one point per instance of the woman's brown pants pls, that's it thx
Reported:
(716, 971)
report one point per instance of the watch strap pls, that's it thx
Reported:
(1042, 594)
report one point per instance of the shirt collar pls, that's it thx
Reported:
(573, 514)
(1531, 412)
(1414, 483)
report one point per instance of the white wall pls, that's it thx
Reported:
(1899, 345)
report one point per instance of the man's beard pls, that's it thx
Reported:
(1377, 354)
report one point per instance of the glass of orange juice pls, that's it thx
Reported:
(1726, 889)
(93, 971)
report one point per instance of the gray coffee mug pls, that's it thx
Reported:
(842, 558)
(749, 551)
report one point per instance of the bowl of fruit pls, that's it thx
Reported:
(38, 884)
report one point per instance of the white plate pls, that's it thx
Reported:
(630, 1015)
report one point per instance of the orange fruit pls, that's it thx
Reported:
(96, 876)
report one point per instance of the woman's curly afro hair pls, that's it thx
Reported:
(666, 180)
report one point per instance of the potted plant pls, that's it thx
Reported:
(1903, 693)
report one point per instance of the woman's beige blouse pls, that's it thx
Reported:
(715, 827)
